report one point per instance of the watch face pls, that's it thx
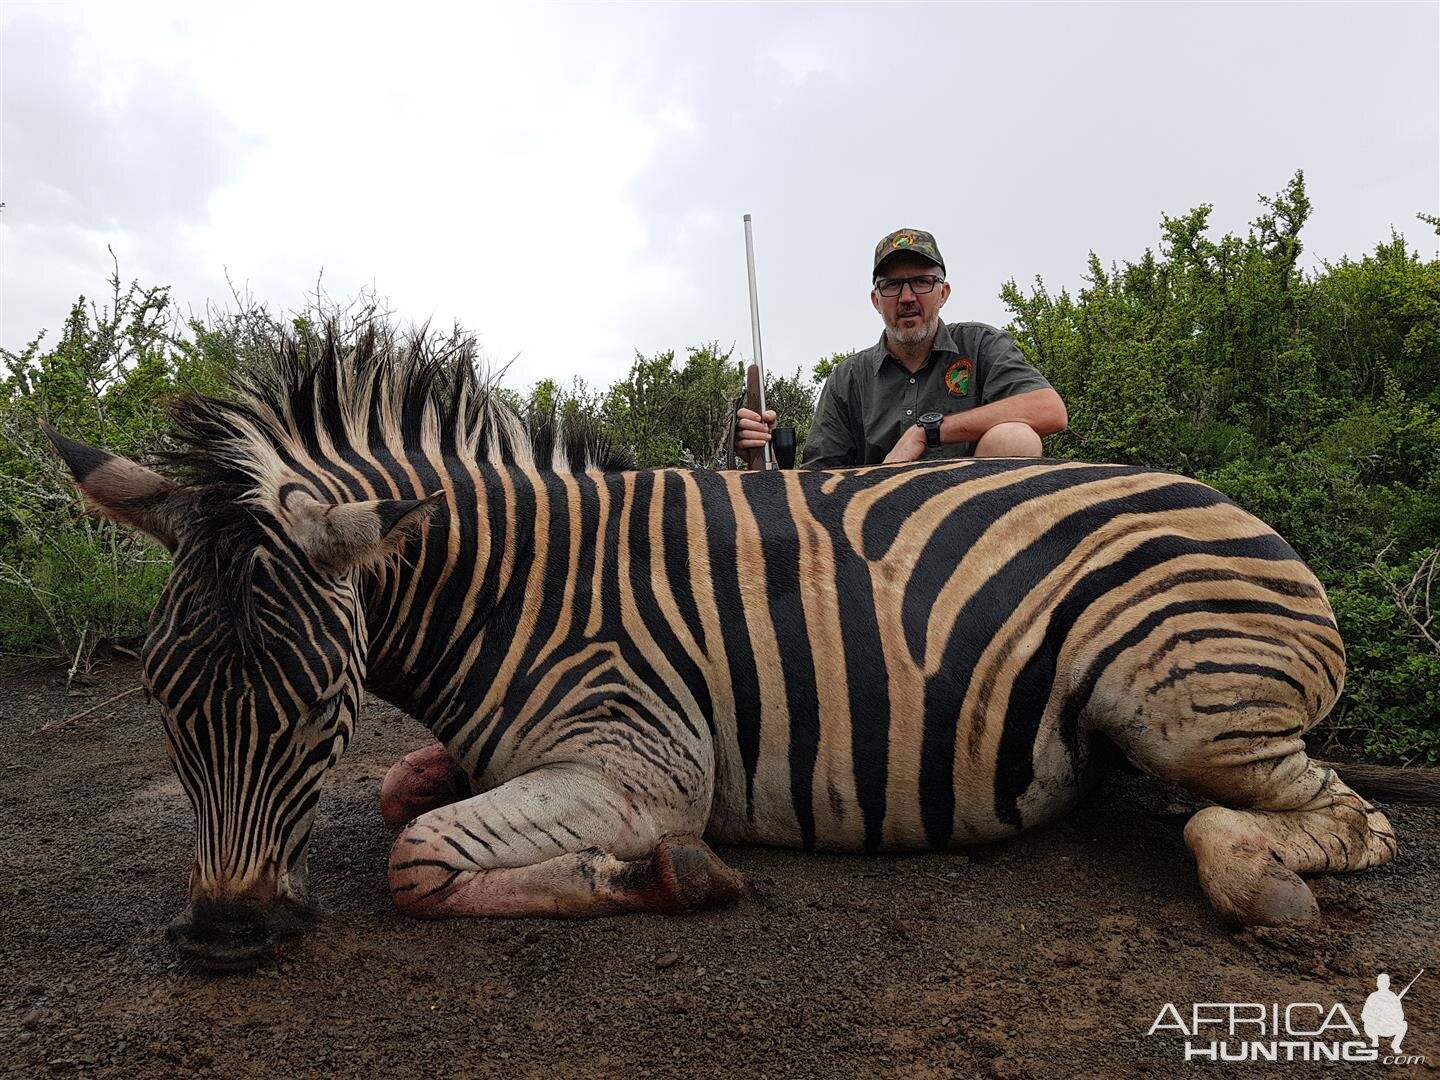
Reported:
(931, 418)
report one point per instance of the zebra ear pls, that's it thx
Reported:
(343, 536)
(119, 488)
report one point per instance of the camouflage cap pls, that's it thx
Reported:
(914, 240)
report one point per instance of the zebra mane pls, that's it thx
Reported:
(315, 401)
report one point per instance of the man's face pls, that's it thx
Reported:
(910, 318)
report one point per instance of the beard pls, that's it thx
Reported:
(914, 336)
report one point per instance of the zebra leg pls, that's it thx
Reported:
(562, 841)
(1250, 861)
(422, 780)
(1281, 814)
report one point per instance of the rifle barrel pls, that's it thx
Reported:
(1411, 983)
(755, 330)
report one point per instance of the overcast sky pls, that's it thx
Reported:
(568, 180)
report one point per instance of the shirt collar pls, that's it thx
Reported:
(943, 343)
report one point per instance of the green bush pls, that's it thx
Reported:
(1392, 695)
(70, 582)
(1311, 400)
(76, 585)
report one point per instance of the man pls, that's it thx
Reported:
(927, 388)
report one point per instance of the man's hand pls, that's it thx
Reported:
(909, 447)
(750, 432)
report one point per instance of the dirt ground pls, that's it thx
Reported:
(1049, 956)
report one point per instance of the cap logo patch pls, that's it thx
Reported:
(904, 240)
(957, 377)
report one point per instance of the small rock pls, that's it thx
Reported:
(32, 1018)
(668, 960)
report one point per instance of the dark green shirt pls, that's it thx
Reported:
(871, 398)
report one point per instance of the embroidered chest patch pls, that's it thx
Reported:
(957, 377)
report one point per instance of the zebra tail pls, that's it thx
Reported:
(1409, 785)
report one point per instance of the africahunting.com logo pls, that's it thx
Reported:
(1300, 1031)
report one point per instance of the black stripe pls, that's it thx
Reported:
(443, 885)
(589, 526)
(722, 537)
(1015, 763)
(766, 495)
(1191, 637)
(676, 530)
(866, 676)
(390, 469)
(1240, 706)
(457, 846)
(1284, 733)
(1209, 667)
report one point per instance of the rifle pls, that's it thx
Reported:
(755, 373)
(782, 445)
(1410, 983)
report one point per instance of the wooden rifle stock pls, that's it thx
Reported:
(755, 458)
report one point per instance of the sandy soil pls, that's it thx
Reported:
(1047, 956)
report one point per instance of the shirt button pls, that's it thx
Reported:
(912, 382)
(908, 412)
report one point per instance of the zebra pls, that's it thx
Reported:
(621, 667)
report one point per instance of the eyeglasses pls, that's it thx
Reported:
(918, 285)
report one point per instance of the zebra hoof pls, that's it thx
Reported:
(1245, 881)
(421, 781)
(690, 876)
(1281, 898)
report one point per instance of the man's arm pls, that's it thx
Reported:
(1042, 410)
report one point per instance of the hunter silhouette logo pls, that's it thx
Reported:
(1300, 1031)
(1383, 1015)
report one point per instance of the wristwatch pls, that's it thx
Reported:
(931, 423)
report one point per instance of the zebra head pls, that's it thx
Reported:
(256, 655)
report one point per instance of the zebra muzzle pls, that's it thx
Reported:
(235, 935)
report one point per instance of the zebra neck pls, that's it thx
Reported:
(443, 617)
